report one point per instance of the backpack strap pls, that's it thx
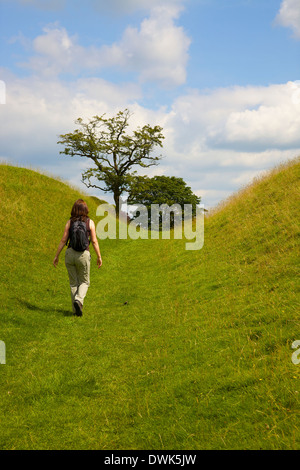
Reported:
(69, 238)
(88, 228)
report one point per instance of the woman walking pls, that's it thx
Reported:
(79, 231)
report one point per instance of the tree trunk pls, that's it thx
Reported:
(117, 195)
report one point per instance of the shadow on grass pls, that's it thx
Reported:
(30, 306)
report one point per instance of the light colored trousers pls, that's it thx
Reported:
(78, 267)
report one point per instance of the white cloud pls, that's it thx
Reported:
(38, 110)
(220, 139)
(272, 121)
(289, 15)
(157, 52)
(245, 119)
(56, 52)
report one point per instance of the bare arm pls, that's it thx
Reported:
(95, 243)
(62, 243)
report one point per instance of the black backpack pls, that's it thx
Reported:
(78, 236)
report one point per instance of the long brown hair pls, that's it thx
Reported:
(79, 211)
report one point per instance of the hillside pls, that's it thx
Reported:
(176, 349)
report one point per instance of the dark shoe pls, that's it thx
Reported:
(78, 308)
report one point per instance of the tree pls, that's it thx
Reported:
(162, 190)
(113, 152)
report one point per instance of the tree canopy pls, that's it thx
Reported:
(112, 150)
(164, 191)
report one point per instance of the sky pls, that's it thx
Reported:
(221, 77)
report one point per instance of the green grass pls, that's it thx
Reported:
(176, 349)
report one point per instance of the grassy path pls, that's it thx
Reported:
(176, 349)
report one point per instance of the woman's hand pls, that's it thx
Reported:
(55, 261)
(95, 243)
(62, 243)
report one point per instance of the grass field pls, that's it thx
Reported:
(176, 349)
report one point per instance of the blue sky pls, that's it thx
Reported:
(221, 77)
